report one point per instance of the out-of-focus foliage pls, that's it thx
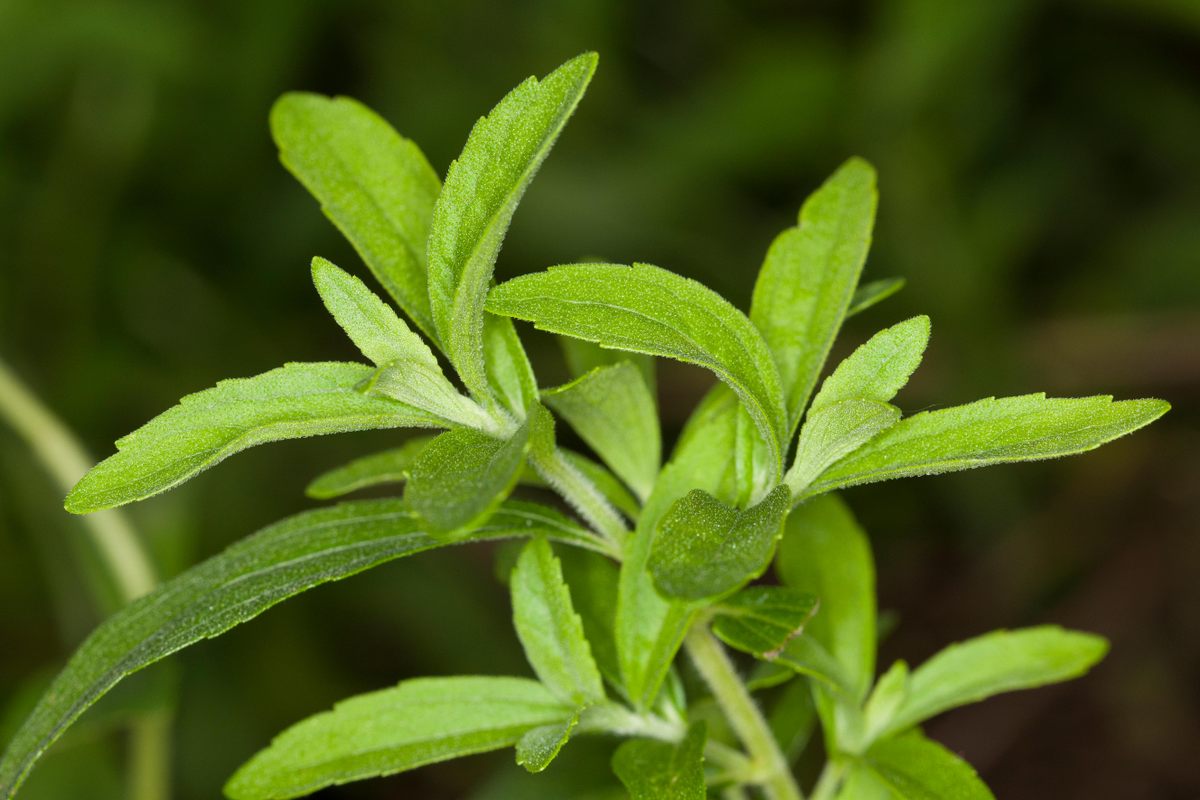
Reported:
(1040, 172)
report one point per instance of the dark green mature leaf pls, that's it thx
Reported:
(762, 619)
(462, 475)
(293, 401)
(868, 294)
(656, 770)
(538, 747)
(612, 410)
(274, 564)
(646, 309)
(833, 432)
(825, 552)
(706, 549)
(473, 212)
(878, 369)
(1024, 428)
(550, 630)
(916, 768)
(807, 280)
(389, 466)
(421, 721)
(1001, 661)
(374, 185)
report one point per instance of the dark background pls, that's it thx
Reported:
(1040, 190)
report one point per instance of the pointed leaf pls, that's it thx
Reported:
(389, 466)
(538, 747)
(420, 721)
(878, 369)
(868, 294)
(1025, 428)
(483, 187)
(825, 552)
(235, 586)
(656, 770)
(916, 768)
(886, 698)
(462, 475)
(832, 433)
(612, 410)
(582, 357)
(766, 616)
(293, 401)
(1001, 661)
(705, 549)
(374, 185)
(425, 387)
(550, 630)
(593, 582)
(509, 372)
(807, 281)
(646, 309)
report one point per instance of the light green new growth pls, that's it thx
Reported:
(286, 403)
(602, 628)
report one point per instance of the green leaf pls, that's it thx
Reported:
(421, 721)
(834, 432)
(389, 466)
(878, 369)
(509, 372)
(593, 582)
(1001, 661)
(550, 630)
(649, 310)
(425, 387)
(582, 357)
(916, 768)
(293, 401)
(762, 619)
(886, 698)
(1024, 428)
(825, 552)
(374, 185)
(807, 281)
(868, 294)
(280, 561)
(473, 212)
(705, 549)
(462, 475)
(612, 410)
(369, 322)
(538, 747)
(802, 654)
(657, 770)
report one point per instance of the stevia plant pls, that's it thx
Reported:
(653, 558)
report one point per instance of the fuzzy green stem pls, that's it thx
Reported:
(584, 497)
(743, 715)
(150, 756)
(829, 781)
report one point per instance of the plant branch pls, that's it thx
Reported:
(743, 715)
(581, 493)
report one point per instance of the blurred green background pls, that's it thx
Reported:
(1040, 190)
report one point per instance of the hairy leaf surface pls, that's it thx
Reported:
(656, 770)
(878, 369)
(833, 432)
(389, 466)
(916, 768)
(764, 618)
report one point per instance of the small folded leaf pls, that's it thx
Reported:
(509, 372)
(762, 619)
(582, 357)
(462, 475)
(612, 410)
(538, 747)
(425, 387)
(825, 552)
(550, 630)
(656, 770)
(834, 432)
(868, 294)
(421, 721)
(705, 549)
(370, 323)
(482, 190)
(807, 281)
(593, 582)
(291, 402)
(1001, 661)
(801, 654)
(374, 185)
(916, 768)
(993, 431)
(878, 369)
(646, 309)
(886, 698)
(237, 585)
(389, 466)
